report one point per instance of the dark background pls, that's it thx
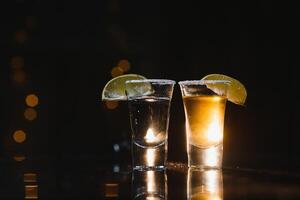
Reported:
(69, 49)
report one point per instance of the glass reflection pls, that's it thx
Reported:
(149, 185)
(204, 184)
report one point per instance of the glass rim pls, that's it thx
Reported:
(155, 81)
(202, 82)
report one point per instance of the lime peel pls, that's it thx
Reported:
(235, 90)
(114, 90)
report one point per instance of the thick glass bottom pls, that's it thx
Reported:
(205, 158)
(149, 158)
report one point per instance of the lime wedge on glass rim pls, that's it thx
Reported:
(236, 91)
(114, 90)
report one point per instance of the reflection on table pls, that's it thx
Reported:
(149, 185)
(80, 179)
(204, 184)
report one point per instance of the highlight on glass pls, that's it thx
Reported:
(150, 184)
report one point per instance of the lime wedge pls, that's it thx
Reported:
(114, 90)
(138, 88)
(236, 91)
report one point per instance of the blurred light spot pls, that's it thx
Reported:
(30, 22)
(21, 36)
(19, 136)
(30, 114)
(111, 190)
(124, 65)
(31, 192)
(116, 168)
(19, 158)
(116, 148)
(111, 104)
(17, 62)
(30, 177)
(19, 77)
(116, 71)
(32, 100)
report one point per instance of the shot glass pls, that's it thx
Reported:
(204, 122)
(149, 105)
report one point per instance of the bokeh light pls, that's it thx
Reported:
(19, 136)
(30, 177)
(116, 71)
(111, 104)
(19, 158)
(111, 190)
(30, 114)
(21, 36)
(124, 65)
(116, 168)
(17, 62)
(32, 100)
(31, 192)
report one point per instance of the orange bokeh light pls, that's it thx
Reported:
(19, 136)
(124, 65)
(111, 104)
(32, 100)
(111, 190)
(31, 191)
(116, 71)
(19, 158)
(30, 114)
(30, 177)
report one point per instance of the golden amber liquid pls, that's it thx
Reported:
(205, 196)
(204, 119)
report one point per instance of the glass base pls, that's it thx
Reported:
(147, 168)
(149, 158)
(205, 158)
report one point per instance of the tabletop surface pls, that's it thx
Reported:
(89, 178)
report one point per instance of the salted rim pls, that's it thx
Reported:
(202, 82)
(156, 81)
